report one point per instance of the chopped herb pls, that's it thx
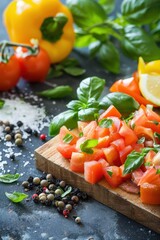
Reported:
(110, 173)
(67, 138)
(88, 145)
(106, 123)
(67, 192)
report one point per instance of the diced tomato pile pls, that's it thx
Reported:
(101, 149)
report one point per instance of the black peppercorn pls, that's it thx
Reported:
(30, 179)
(28, 130)
(19, 123)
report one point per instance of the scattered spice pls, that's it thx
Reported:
(54, 192)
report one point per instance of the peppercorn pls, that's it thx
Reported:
(62, 184)
(17, 135)
(69, 207)
(65, 213)
(43, 137)
(28, 130)
(8, 137)
(6, 123)
(58, 191)
(75, 199)
(50, 197)
(25, 184)
(7, 129)
(35, 133)
(18, 142)
(12, 157)
(48, 202)
(49, 177)
(78, 220)
(44, 183)
(30, 179)
(52, 186)
(61, 204)
(42, 199)
(36, 180)
(19, 123)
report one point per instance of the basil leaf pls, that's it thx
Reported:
(157, 135)
(109, 58)
(108, 5)
(1, 103)
(134, 160)
(76, 105)
(123, 102)
(141, 11)
(105, 123)
(91, 87)
(88, 114)
(86, 12)
(9, 178)
(138, 43)
(55, 71)
(57, 92)
(92, 103)
(16, 197)
(88, 145)
(68, 118)
(67, 138)
(74, 71)
(70, 62)
(110, 173)
(83, 40)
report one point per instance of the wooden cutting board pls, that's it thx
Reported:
(49, 160)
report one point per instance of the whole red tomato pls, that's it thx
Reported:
(10, 73)
(34, 68)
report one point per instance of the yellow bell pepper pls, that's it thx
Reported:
(48, 21)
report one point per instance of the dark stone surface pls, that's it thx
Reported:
(30, 221)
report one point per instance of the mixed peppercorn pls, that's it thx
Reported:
(55, 192)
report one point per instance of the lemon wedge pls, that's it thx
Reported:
(150, 87)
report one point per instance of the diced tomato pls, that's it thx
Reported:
(110, 112)
(101, 132)
(156, 159)
(150, 176)
(150, 193)
(116, 125)
(136, 175)
(79, 142)
(151, 115)
(79, 158)
(81, 125)
(155, 126)
(66, 150)
(124, 153)
(113, 137)
(103, 142)
(93, 171)
(89, 131)
(103, 162)
(148, 159)
(139, 118)
(128, 134)
(138, 147)
(149, 143)
(129, 83)
(130, 187)
(119, 144)
(113, 175)
(112, 155)
(63, 132)
(141, 131)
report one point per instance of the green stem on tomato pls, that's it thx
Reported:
(32, 50)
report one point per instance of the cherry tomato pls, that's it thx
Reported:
(34, 68)
(10, 73)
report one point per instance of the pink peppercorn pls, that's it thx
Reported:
(43, 137)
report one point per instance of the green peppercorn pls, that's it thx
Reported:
(51, 186)
(78, 220)
(42, 199)
(36, 180)
(44, 183)
(42, 194)
(18, 142)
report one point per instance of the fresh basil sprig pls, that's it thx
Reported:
(136, 159)
(87, 145)
(16, 197)
(57, 92)
(88, 105)
(133, 31)
(9, 178)
(1, 103)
